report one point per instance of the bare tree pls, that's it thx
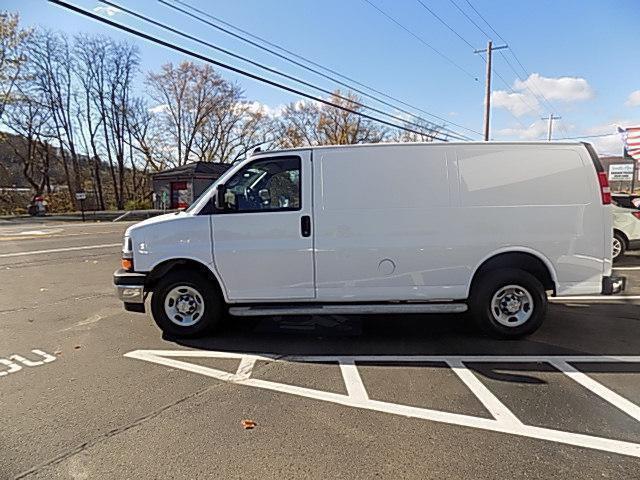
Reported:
(29, 119)
(123, 64)
(85, 53)
(430, 132)
(233, 128)
(146, 135)
(189, 95)
(51, 71)
(12, 56)
(312, 123)
(106, 71)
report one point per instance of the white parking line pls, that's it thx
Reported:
(353, 381)
(495, 407)
(626, 268)
(603, 392)
(57, 250)
(504, 420)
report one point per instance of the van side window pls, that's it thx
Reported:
(271, 184)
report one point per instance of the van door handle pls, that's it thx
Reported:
(305, 225)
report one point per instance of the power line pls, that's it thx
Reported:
(256, 64)
(311, 62)
(513, 53)
(493, 70)
(538, 95)
(422, 40)
(481, 56)
(513, 92)
(445, 23)
(483, 19)
(317, 72)
(471, 20)
(231, 68)
(588, 136)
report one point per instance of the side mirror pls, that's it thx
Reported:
(220, 197)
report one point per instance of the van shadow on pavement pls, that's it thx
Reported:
(579, 330)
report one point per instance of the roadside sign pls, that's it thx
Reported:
(82, 196)
(621, 171)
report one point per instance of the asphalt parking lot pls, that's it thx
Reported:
(91, 391)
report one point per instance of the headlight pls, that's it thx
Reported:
(127, 254)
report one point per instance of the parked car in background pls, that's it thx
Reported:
(626, 200)
(387, 228)
(626, 230)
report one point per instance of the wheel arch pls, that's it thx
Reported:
(163, 268)
(522, 258)
(623, 235)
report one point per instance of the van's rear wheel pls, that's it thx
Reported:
(508, 303)
(185, 304)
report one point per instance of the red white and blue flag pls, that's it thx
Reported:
(631, 139)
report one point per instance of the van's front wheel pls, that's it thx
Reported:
(508, 303)
(185, 304)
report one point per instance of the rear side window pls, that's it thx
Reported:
(525, 176)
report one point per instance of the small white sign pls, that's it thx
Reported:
(621, 171)
(81, 196)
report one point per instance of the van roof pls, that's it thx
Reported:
(431, 144)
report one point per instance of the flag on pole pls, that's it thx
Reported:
(631, 139)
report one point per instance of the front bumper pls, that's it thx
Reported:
(130, 288)
(613, 285)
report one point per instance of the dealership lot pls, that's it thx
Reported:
(91, 391)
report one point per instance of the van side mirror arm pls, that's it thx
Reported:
(221, 192)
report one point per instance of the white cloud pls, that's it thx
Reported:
(524, 99)
(517, 103)
(564, 89)
(611, 144)
(159, 108)
(109, 11)
(634, 99)
(266, 109)
(536, 131)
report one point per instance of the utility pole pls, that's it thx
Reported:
(551, 118)
(487, 93)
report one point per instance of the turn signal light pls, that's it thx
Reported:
(127, 264)
(636, 214)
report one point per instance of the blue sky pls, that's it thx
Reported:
(580, 54)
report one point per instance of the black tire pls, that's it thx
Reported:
(213, 308)
(490, 284)
(623, 246)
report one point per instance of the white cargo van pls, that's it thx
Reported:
(380, 229)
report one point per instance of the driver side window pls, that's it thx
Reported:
(271, 184)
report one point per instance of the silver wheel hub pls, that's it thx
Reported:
(184, 306)
(512, 305)
(617, 247)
